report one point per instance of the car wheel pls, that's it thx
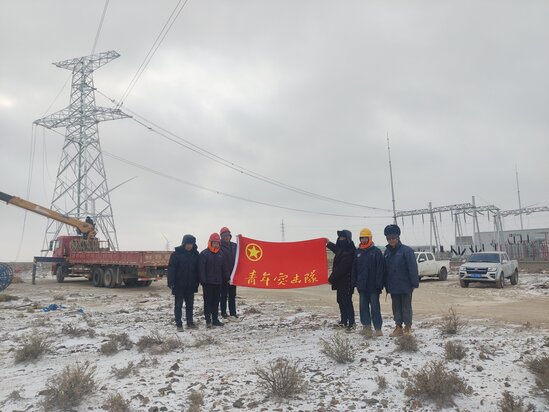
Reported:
(500, 282)
(463, 283)
(514, 278)
(60, 274)
(443, 274)
(97, 277)
(109, 278)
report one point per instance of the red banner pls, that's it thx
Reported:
(274, 265)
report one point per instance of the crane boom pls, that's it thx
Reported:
(85, 228)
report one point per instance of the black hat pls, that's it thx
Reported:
(391, 230)
(346, 234)
(188, 239)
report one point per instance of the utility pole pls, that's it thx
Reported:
(283, 231)
(518, 194)
(431, 227)
(81, 188)
(476, 227)
(392, 185)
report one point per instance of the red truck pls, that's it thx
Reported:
(85, 255)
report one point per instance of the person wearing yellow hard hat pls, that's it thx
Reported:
(369, 275)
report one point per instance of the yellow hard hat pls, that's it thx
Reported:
(365, 233)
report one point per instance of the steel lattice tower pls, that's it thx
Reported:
(81, 188)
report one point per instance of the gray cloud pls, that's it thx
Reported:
(303, 92)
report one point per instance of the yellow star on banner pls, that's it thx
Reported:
(254, 252)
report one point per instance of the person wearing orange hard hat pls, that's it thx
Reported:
(213, 272)
(369, 275)
(228, 291)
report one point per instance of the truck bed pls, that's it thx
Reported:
(112, 258)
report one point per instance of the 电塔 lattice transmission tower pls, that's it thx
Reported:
(81, 188)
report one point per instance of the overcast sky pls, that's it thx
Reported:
(300, 91)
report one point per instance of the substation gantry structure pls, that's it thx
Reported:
(461, 211)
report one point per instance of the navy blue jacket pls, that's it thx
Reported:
(229, 250)
(402, 273)
(183, 270)
(369, 271)
(213, 268)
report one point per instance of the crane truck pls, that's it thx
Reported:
(85, 255)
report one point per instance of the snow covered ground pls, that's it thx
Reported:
(219, 362)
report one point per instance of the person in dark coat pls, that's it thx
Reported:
(340, 278)
(228, 291)
(402, 279)
(183, 279)
(368, 276)
(213, 272)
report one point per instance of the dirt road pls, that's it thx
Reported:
(527, 302)
(516, 304)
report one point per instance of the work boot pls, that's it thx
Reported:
(208, 323)
(379, 332)
(224, 315)
(351, 326)
(217, 323)
(367, 332)
(407, 329)
(191, 326)
(180, 328)
(341, 324)
(396, 332)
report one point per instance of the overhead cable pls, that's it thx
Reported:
(229, 164)
(218, 192)
(150, 54)
(100, 26)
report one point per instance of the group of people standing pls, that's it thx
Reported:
(210, 268)
(370, 271)
(365, 268)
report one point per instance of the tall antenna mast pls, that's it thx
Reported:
(283, 231)
(392, 185)
(518, 194)
(81, 186)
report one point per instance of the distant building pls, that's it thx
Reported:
(525, 244)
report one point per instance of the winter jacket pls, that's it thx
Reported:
(344, 251)
(369, 271)
(229, 250)
(402, 272)
(183, 270)
(213, 268)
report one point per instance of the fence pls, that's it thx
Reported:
(534, 251)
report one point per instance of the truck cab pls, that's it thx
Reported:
(493, 267)
(429, 266)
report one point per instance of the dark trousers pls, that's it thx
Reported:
(228, 291)
(211, 301)
(402, 308)
(370, 310)
(188, 297)
(346, 310)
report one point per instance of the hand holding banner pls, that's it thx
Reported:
(280, 265)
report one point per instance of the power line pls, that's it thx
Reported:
(29, 183)
(229, 164)
(150, 54)
(100, 26)
(218, 192)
